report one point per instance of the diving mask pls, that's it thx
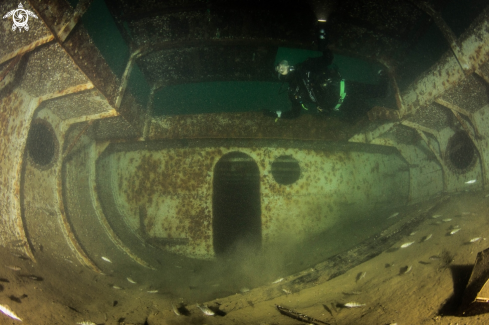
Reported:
(284, 68)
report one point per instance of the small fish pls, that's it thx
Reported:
(353, 304)
(454, 231)
(447, 220)
(361, 275)
(278, 280)
(117, 287)
(175, 309)
(206, 310)
(152, 291)
(352, 293)
(106, 259)
(131, 281)
(14, 268)
(413, 233)
(35, 278)
(436, 216)
(244, 290)
(435, 257)
(287, 291)
(7, 311)
(427, 237)
(406, 270)
(394, 215)
(476, 239)
(86, 323)
(472, 181)
(407, 244)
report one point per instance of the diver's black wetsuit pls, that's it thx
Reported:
(316, 83)
(305, 84)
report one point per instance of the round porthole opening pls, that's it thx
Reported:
(42, 144)
(460, 152)
(286, 170)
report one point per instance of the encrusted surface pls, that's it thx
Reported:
(471, 94)
(250, 125)
(432, 116)
(49, 69)
(405, 135)
(79, 104)
(114, 128)
(12, 40)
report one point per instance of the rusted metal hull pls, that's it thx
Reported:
(174, 187)
(153, 193)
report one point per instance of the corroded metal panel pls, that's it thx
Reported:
(432, 116)
(114, 128)
(425, 174)
(78, 105)
(40, 201)
(81, 212)
(175, 189)
(78, 46)
(85, 55)
(249, 125)
(49, 70)
(470, 94)
(165, 196)
(44, 208)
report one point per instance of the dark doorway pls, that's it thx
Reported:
(236, 204)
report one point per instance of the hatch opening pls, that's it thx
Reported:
(236, 204)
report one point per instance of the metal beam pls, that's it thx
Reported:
(447, 73)
(446, 31)
(457, 109)
(80, 10)
(27, 48)
(65, 92)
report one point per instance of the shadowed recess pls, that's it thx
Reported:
(236, 203)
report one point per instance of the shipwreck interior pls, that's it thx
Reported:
(140, 179)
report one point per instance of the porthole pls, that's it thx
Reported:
(460, 154)
(286, 170)
(42, 145)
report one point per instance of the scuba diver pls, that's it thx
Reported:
(316, 84)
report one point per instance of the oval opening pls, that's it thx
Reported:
(460, 152)
(286, 170)
(41, 143)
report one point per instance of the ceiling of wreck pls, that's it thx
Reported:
(228, 40)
